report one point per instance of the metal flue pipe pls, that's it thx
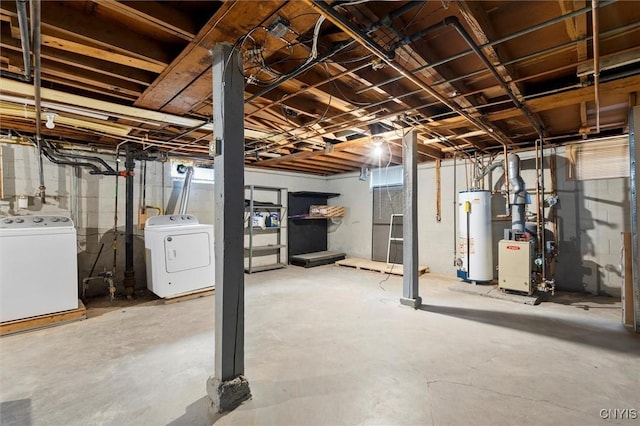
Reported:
(386, 56)
(186, 190)
(517, 196)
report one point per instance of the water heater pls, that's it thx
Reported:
(475, 251)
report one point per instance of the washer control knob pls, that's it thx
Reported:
(172, 218)
(7, 221)
(65, 219)
(55, 219)
(37, 219)
(184, 218)
(19, 220)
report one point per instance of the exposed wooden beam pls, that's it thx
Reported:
(621, 86)
(134, 75)
(228, 23)
(158, 14)
(72, 24)
(484, 31)
(104, 54)
(23, 89)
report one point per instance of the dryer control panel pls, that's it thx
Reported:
(22, 222)
(172, 220)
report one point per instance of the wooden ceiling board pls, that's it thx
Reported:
(155, 56)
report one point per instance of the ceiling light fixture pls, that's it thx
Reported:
(377, 140)
(50, 116)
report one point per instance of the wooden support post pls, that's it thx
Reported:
(438, 193)
(410, 295)
(634, 156)
(228, 388)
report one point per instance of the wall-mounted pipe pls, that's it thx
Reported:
(23, 23)
(596, 59)
(129, 273)
(35, 28)
(108, 170)
(47, 154)
(388, 19)
(66, 159)
(481, 173)
(186, 190)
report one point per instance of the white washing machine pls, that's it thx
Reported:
(179, 256)
(38, 266)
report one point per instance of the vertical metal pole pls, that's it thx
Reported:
(228, 388)
(410, 295)
(634, 156)
(36, 29)
(129, 273)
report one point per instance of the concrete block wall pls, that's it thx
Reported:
(592, 214)
(94, 206)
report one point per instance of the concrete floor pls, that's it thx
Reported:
(332, 346)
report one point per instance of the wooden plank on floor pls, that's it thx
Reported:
(204, 292)
(382, 267)
(42, 321)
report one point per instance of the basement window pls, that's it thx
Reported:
(202, 172)
(602, 159)
(386, 176)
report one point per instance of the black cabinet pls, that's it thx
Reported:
(308, 234)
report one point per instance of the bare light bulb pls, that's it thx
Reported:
(377, 140)
(377, 150)
(50, 124)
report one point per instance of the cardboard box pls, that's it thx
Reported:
(326, 211)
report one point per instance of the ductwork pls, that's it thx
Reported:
(186, 190)
(518, 194)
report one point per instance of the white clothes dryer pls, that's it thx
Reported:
(179, 255)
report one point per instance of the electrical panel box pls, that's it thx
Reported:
(515, 261)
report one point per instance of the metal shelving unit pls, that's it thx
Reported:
(265, 241)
